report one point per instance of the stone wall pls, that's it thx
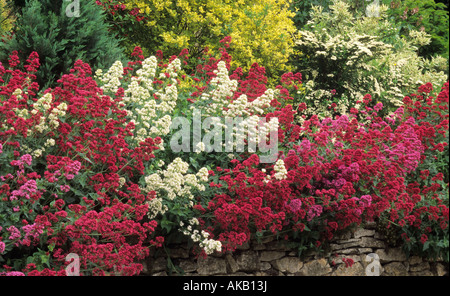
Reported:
(272, 258)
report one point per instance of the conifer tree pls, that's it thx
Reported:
(61, 38)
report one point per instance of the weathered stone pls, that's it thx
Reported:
(258, 247)
(188, 266)
(353, 243)
(347, 241)
(277, 246)
(348, 251)
(415, 260)
(370, 225)
(232, 266)
(271, 255)
(145, 269)
(395, 269)
(262, 273)
(355, 258)
(363, 232)
(422, 273)
(288, 264)
(179, 253)
(267, 239)
(211, 266)
(355, 270)
(343, 236)
(440, 269)
(420, 267)
(369, 242)
(335, 247)
(248, 261)
(365, 250)
(159, 264)
(265, 266)
(318, 267)
(161, 273)
(390, 255)
(240, 273)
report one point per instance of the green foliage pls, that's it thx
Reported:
(428, 15)
(261, 31)
(60, 40)
(303, 8)
(344, 56)
(5, 17)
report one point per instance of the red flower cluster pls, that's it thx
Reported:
(108, 227)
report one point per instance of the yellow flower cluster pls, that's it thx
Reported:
(261, 31)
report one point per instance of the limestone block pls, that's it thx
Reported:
(188, 266)
(440, 269)
(318, 267)
(288, 264)
(420, 267)
(211, 266)
(390, 255)
(355, 270)
(369, 242)
(248, 261)
(232, 265)
(413, 260)
(271, 255)
(363, 232)
(395, 269)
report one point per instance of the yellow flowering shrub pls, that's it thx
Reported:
(261, 31)
(6, 18)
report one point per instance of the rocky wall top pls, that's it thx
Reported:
(362, 252)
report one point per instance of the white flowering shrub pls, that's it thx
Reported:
(344, 57)
(153, 95)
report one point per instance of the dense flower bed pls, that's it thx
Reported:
(87, 167)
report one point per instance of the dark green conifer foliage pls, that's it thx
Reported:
(60, 39)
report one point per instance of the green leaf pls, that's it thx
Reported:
(77, 192)
(426, 245)
(82, 179)
(167, 225)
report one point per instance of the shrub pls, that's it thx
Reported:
(60, 40)
(261, 31)
(427, 15)
(344, 57)
(88, 167)
(5, 17)
(60, 201)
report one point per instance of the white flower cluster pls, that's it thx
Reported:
(222, 87)
(280, 170)
(161, 126)
(201, 237)
(43, 105)
(175, 182)
(151, 108)
(242, 107)
(155, 207)
(362, 52)
(111, 79)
